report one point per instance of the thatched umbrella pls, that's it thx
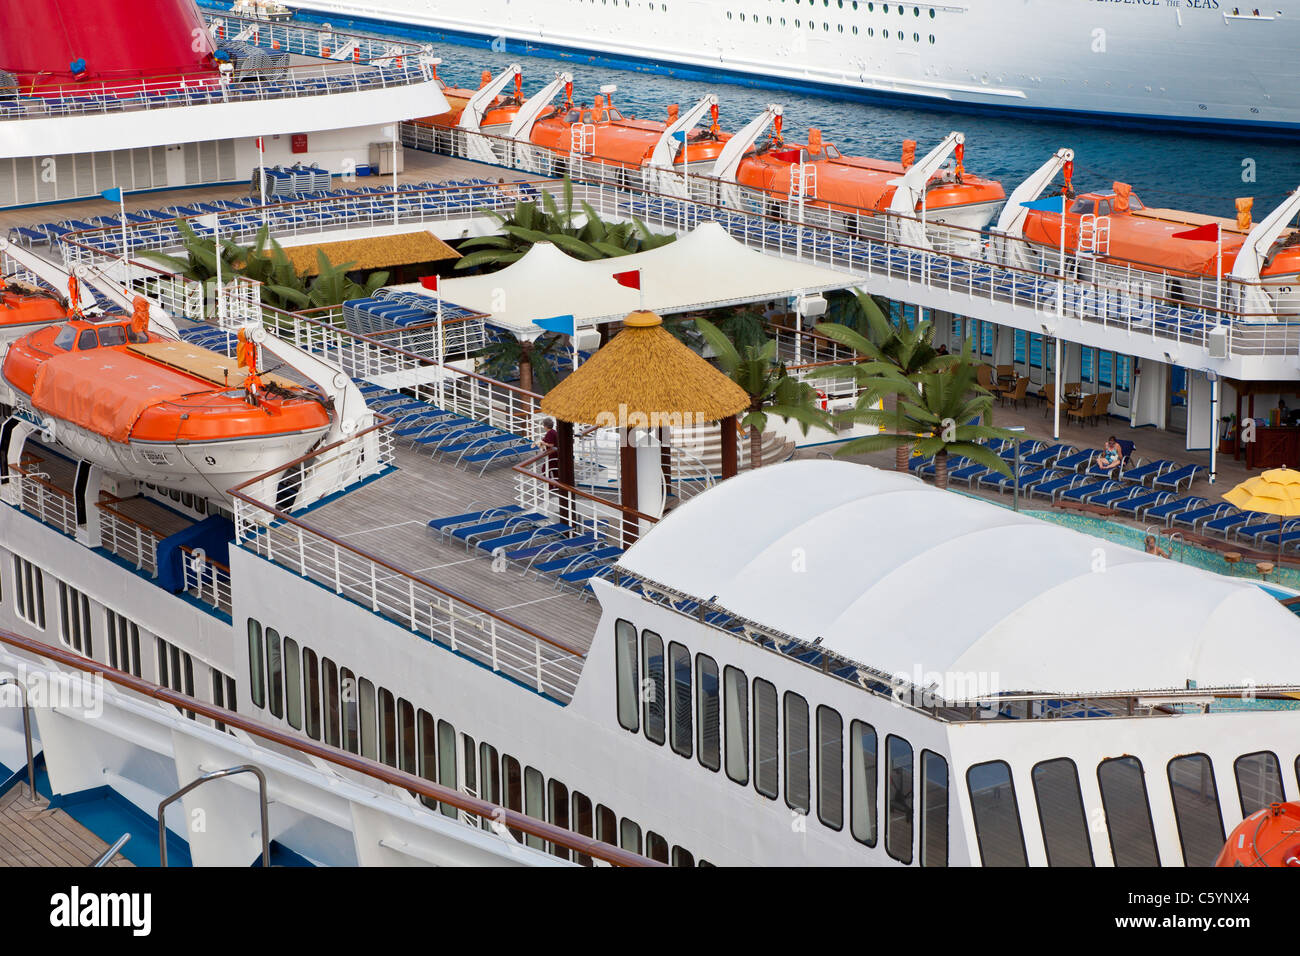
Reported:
(644, 379)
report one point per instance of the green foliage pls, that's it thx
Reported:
(501, 359)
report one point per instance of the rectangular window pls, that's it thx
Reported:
(606, 825)
(123, 643)
(653, 664)
(406, 732)
(679, 659)
(898, 799)
(74, 620)
(997, 816)
(682, 857)
(469, 763)
(490, 767)
(1085, 364)
(369, 725)
(256, 683)
(535, 801)
(656, 847)
(1196, 808)
(934, 809)
(387, 727)
(512, 776)
(1061, 814)
(708, 711)
(223, 694)
(292, 684)
(333, 704)
(175, 668)
(830, 768)
(797, 786)
(1123, 369)
(447, 762)
(765, 742)
(428, 763)
(986, 338)
(1019, 340)
(29, 586)
(862, 782)
(351, 720)
(629, 685)
(737, 720)
(1105, 367)
(274, 673)
(584, 822)
(1259, 781)
(1128, 814)
(557, 803)
(629, 837)
(311, 689)
(1035, 350)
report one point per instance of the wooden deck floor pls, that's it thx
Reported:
(389, 519)
(33, 835)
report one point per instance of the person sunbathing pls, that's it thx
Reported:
(1111, 456)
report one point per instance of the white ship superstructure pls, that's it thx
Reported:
(1193, 64)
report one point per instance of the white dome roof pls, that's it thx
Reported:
(906, 579)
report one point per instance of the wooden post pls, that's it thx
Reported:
(730, 455)
(564, 472)
(627, 483)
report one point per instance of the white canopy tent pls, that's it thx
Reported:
(901, 576)
(705, 268)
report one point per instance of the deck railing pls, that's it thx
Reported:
(45, 501)
(127, 538)
(206, 579)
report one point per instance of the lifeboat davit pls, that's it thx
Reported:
(1117, 229)
(159, 410)
(1268, 837)
(496, 118)
(23, 309)
(603, 134)
(859, 184)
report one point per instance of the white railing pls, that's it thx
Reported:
(45, 502)
(308, 40)
(205, 579)
(128, 539)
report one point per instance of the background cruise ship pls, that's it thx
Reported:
(1202, 65)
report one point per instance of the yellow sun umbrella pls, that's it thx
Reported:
(1275, 492)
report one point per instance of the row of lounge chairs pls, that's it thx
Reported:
(534, 542)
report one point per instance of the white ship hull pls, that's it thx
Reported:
(1195, 64)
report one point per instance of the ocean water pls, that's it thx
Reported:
(1181, 170)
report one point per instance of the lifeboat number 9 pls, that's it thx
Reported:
(210, 460)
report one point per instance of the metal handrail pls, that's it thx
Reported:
(112, 851)
(483, 809)
(27, 731)
(198, 782)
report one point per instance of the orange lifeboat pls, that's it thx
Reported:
(496, 119)
(859, 184)
(1268, 837)
(604, 134)
(158, 410)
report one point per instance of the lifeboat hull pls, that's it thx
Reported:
(1268, 837)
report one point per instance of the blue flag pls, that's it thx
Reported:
(563, 324)
(1050, 204)
(112, 195)
(680, 136)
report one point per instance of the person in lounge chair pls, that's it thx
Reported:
(1111, 457)
(1154, 548)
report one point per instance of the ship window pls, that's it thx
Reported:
(29, 586)
(1061, 814)
(653, 665)
(136, 338)
(274, 672)
(557, 802)
(1134, 204)
(74, 620)
(682, 857)
(332, 708)
(1259, 781)
(862, 782)
(223, 694)
(997, 816)
(369, 741)
(629, 837)
(625, 666)
(934, 809)
(1103, 208)
(656, 847)
(830, 768)
(387, 727)
(898, 799)
(797, 786)
(112, 335)
(737, 720)
(428, 762)
(409, 748)
(292, 684)
(584, 822)
(67, 335)
(706, 674)
(86, 340)
(311, 685)
(491, 772)
(614, 115)
(512, 777)
(447, 762)
(765, 751)
(1196, 808)
(1082, 206)
(606, 825)
(1128, 815)
(348, 694)
(468, 756)
(124, 644)
(679, 659)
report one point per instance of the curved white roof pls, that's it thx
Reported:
(913, 581)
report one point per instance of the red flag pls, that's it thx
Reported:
(631, 279)
(1208, 232)
(787, 155)
(429, 282)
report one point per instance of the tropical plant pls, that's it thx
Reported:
(903, 348)
(940, 411)
(507, 357)
(529, 224)
(771, 390)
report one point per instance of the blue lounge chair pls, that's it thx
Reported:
(1195, 516)
(1084, 492)
(446, 525)
(1050, 489)
(1230, 521)
(1175, 506)
(1076, 459)
(1272, 526)
(1046, 455)
(1113, 497)
(1143, 501)
(1152, 469)
(1173, 479)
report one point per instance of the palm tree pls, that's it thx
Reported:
(529, 224)
(756, 369)
(936, 410)
(903, 348)
(502, 358)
